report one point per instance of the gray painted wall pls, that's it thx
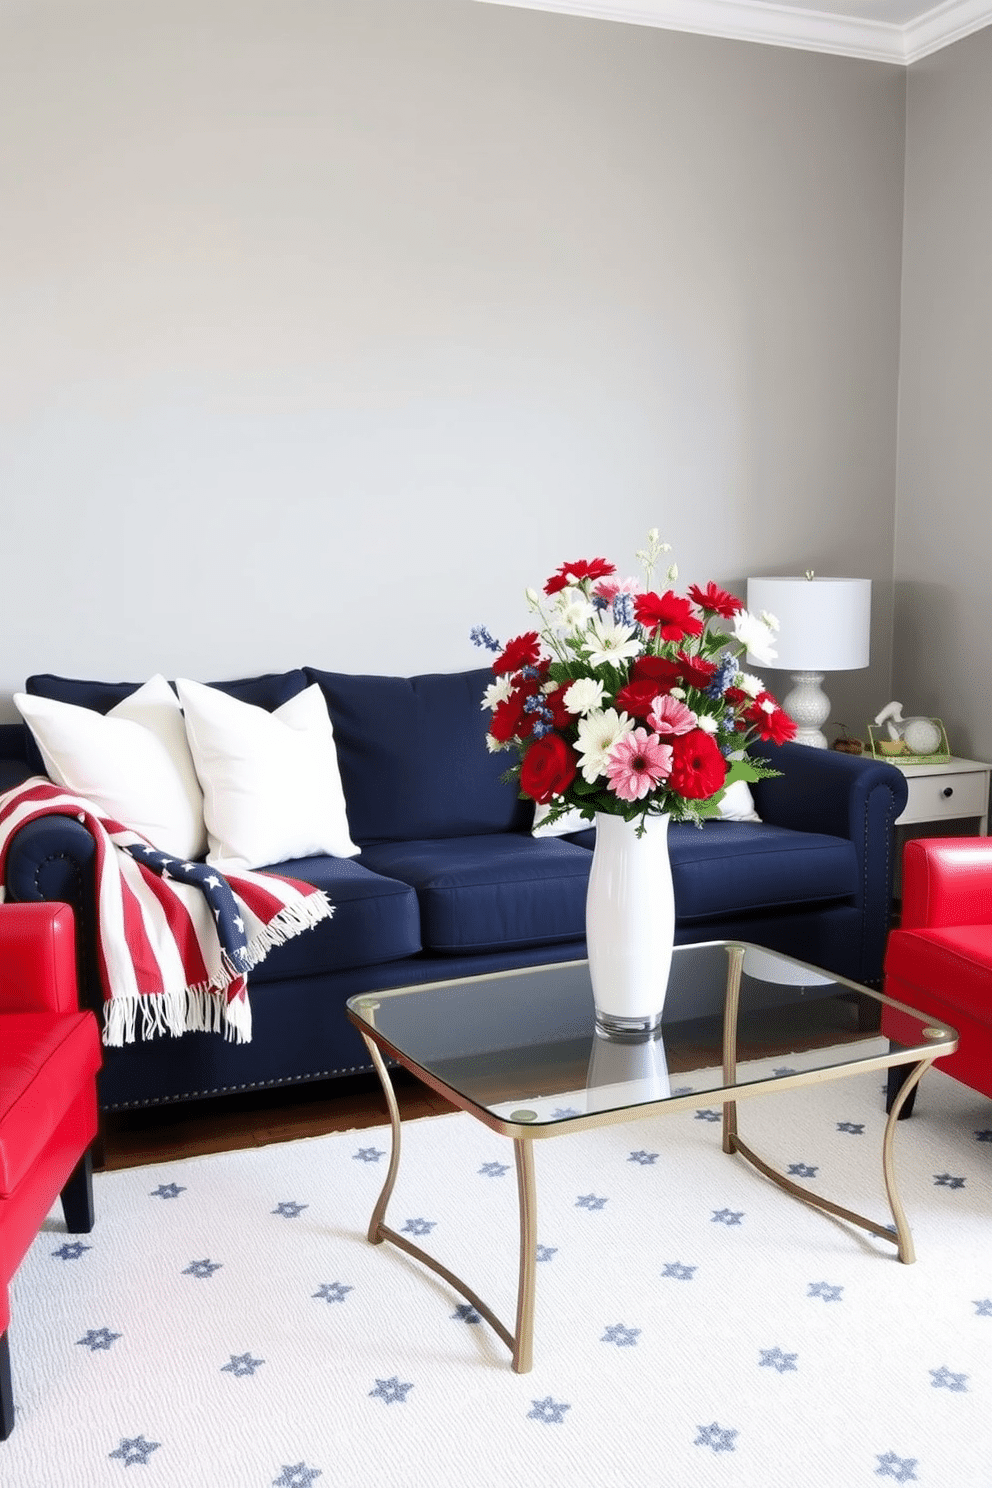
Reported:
(944, 527)
(330, 327)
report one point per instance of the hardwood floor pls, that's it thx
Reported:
(132, 1139)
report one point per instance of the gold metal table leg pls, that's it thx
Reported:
(899, 1236)
(520, 1343)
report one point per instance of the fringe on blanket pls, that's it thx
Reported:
(203, 1008)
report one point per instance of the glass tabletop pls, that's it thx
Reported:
(521, 1048)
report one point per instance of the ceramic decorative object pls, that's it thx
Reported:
(630, 923)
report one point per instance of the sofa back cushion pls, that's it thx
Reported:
(413, 758)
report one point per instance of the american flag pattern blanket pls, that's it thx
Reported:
(176, 940)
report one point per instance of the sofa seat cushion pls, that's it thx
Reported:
(494, 892)
(45, 1061)
(375, 919)
(953, 964)
(731, 867)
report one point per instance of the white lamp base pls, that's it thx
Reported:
(809, 708)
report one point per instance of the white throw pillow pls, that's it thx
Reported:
(271, 785)
(133, 762)
(572, 821)
(738, 803)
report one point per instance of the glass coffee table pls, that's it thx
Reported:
(519, 1050)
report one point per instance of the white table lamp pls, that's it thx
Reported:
(824, 626)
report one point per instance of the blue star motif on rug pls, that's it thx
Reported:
(297, 1476)
(419, 1226)
(802, 1170)
(774, 1358)
(240, 1365)
(983, 1136)
(391, 1390)
(589, 1201)
(945, 1379)
(202, 1269)
(72, 1250)
(856, 1128)
(727, 1216)
(564, 1111)
(135, 1449)
(708, 1115)
(493, 1169)
(785, 1070)
(290, 1210)
(683, 1090)
(332, 1291)
(548, 1410)
(368, 1155)
(623, 1337)
(466, 1313)
(545, 1252)
(900, 1468)
(678, 1272)
(945, 1180)
(983, 1307)
(825, 1290)
(644, 1158)
(719, 1438)
(99, 1338)
(167, 1191)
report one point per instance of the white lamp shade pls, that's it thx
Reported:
(824, 624)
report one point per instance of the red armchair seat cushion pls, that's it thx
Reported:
(47, 1058)
(953, 963)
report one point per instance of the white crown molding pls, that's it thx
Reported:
(787, 25)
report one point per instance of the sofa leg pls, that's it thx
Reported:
(77, 1197)
(898, 1075)
(6, 1390)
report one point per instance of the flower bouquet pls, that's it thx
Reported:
(628, 701)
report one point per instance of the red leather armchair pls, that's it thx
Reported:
(940, 958)
(49, 1057)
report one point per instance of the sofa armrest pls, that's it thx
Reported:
(37, 959)
(946, 881)
(825, 790)
(842, 795)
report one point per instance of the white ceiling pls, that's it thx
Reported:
(899, 31)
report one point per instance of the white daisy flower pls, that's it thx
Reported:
(497, 692)
(572, 610)
(598, 733)
(749, 683)
(584, 695)
(757, 635)
(610, 642)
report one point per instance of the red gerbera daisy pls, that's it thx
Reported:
(657, 669)
(667, 613)
(522, 651)
(698, 767)
(574, 573)
(772, 722)
(716, 600)
(637, 697)
(696, 671)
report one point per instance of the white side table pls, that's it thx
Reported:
(939, 793)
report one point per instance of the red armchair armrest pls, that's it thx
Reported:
(946, 881)
(37, 959)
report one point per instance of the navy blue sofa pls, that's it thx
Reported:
(450, 882)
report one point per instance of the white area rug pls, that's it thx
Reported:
(227, 1325)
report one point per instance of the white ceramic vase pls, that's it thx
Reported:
(630, 924)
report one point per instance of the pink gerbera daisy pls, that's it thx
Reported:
(637, 763)
(669, 716)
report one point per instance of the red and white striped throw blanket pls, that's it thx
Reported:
(176, 940)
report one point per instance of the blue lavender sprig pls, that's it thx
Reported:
(623, 609)
(480, 637)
